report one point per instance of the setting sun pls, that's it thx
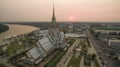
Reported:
(72, 18)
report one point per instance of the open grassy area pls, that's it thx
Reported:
(96, 63)
(11, 49)
(74, 62)
(53, 62)
(71, 41)
(2, 65)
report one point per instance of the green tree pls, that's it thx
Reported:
(2, 65)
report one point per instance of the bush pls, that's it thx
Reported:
(2, 65)
(53, 62)
(93, 56)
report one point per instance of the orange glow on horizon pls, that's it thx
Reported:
(65, 10)
(71, 18)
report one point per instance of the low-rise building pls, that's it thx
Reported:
(113, 42)
(109, 30)
(74, 35)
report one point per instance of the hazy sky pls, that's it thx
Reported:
(66, 10)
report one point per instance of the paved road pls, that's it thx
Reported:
(82, 62)
(92, 46)
(64, 61)
(102, 52)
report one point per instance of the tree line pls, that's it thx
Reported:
(3, 28)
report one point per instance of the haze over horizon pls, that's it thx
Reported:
(65, 10)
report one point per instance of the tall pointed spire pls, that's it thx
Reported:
(53, 18)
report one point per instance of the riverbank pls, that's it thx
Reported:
(15, 30)
(3, 28)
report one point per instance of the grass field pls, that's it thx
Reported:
(11, 49)
(74, 62)
(53, 62)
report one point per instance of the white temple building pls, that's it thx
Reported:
(51, 39)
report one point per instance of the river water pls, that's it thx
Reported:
(15, 30)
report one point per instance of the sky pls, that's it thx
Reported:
(65, 10)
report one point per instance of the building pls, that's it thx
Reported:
(114, 42)
(107, 30)
(70, 28)
(75, 35)
(115, 45)
(50, 40)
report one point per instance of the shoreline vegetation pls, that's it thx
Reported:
(3, 28)
(15, 30)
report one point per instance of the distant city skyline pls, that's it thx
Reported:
(65, 10)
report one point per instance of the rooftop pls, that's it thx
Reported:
(108, 28)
